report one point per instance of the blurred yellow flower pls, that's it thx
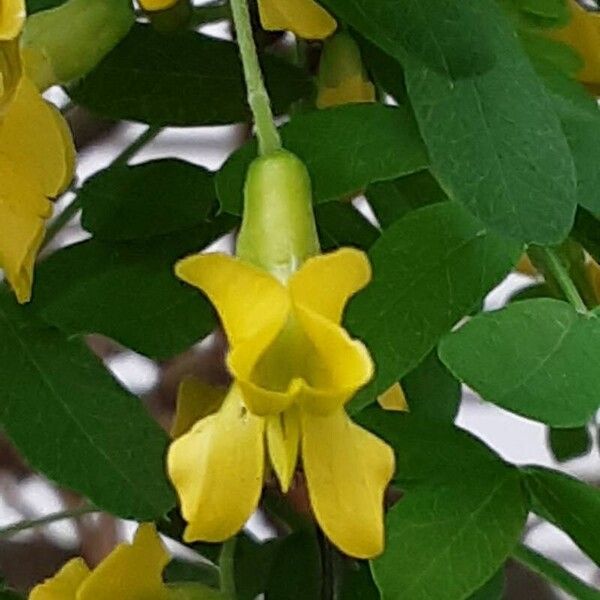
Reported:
(342, 76)
(156, 5)
(294, 369)
(129, 572)
(36, 160)
(12, 19)
(582, 33)
(305, 18)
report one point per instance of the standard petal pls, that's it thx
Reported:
(336, 366)
(12, 18)
(64, 585)
(393, 399)
(195, 400)
(347, 471)
(130, 571)
(34, 135)
(283, 439)
(354, 90)
(305, 18)
(249, 301)
(24, 210)
(326, 282)
(217, 469)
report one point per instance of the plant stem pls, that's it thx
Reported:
(258, 98)
(554, 573)
(227, 567)
(130, 151)
(552, 262)
(59, 516)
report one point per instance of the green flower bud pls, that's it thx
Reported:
(65, 43)
(278, 231)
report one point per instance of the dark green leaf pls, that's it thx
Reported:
(461, 514)
(567, 444)
(178, 571)
(391, 200)
(538, 358)
(154, 198)
(444, 34)
(345, 148)
(357, 582)
(72, 422)
(431, 390)
(128, 292)
(340, 224)
(587, 233)
(492, 590)
(34, 6)
(253, 564)
(430, 269)
(495, 142)
(181, 80)
(568, 503)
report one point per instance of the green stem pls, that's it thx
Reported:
(555, 267)
(227, 567)
(60, 516)
(554, 573)
(130, 151)
(258, 98)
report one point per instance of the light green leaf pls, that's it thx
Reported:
(72, 422)
(128, 291)
(430, 269)
(184, 79)
(495, 142)
(461, 514)
(538, 358)
(344, 148)
(568, 503)
(153, 198)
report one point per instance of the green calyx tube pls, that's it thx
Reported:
(65, 43)
(278, 230)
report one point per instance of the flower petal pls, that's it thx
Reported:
(34, 135)
(130, 571)
(337, 366)
(12, 18)
(325, 283)
(354, 90)
(283, 437)
(23, 213)
(195, 400)
(393, 399)
(217, 469)
(249, 301)
(347, 471)
(305, 18)
(64, 585)
(157, 5)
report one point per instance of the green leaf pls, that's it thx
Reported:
(357, 582)
(72, 421)
(587, 232)
(344, 148)
(340, 224)
(461, 514)
(128, 291)
(568, 503)
(153, 198)
(431, 390)
(181, 80)
(430, 269)
(495, 142)
(391, 200)
(446, 35)
(178, 571)
(567, 444)
(538, 358)
(34, 6)
(253, 564)
(492, 590)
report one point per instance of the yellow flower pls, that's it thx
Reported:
(305, 18)
(294, 368)
(36, 162)
(130, 572)
(582, 33)
(12, 18)
(156, 5)
(342, 76)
